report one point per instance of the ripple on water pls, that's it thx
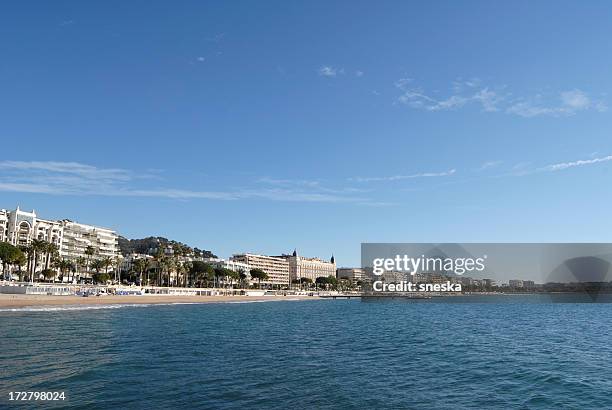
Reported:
(321, 354)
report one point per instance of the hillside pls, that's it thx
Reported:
(152, 244)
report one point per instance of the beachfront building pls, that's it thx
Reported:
(515, 283)
(529, 284)
(4, 215)
(311, 268)
(20, 228)
(235, 265)
(127, 263)
(354, 275)
(489, 283)
(78, 237)
(277, 268)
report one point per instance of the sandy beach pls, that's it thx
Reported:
(16, 301)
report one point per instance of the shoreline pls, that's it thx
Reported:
(20, 301)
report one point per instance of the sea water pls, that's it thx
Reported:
(485, 352)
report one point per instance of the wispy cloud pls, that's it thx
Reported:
(489, 164)
(568, 103)
(67, 168)
(359, 73)
(73, 178)
(288, 182)
(497, 99)
(328, 71)
(465, 93)
(579, 163)
(402, 177)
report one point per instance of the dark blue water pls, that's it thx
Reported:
(315, 354)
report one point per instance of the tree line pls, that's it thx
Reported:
(54, 266)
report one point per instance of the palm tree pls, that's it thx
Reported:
(98, 265)
(186, 272)
(27, 251)
(181, 272)
(171, 266)
(37, 247)
(116, 265)
(51, 250)
(140, 265)
(106, 262)
(160, 259)
(80, 262)
(148, 266)
(90, 251)
(243, 276)
(64, 265)
(259, 275)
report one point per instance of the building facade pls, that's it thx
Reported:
(352, 274)
(20, 228)
(235, 265)
(311, 268)
(276, 268)
(515, 283)
(78, 237)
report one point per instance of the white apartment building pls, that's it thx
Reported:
(353, 274)
(20, 228)
(311, 268)
(277, 268)
(235, 265)
(4, 216)
(78, 237)
(515, 283)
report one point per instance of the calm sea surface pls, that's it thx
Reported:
(489, 352)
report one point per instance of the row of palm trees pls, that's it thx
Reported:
(160, 270)
(40, 250)
(165, 270)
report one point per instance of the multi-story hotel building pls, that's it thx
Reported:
(353, 274)
(515, 283)
(78, 237)
(235, 265)
(20, 228)
(311, 268)
(277, 268)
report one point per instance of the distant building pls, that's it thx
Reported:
(311, 268)
(352, 274)
(231, 264)
(466, 280)
(437, 278)
(529, 284)
(488, 283)
(515, 283)
(393, 277)
(418, 278)
(276, 268)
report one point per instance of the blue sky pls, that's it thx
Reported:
(236, 126)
